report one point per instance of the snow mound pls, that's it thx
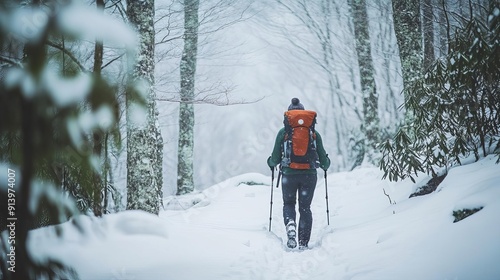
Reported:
(184, 202)
(247, 179)
(203, 198)
(136, 223)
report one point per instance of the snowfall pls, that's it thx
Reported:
(376, 232)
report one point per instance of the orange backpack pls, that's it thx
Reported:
(299, 147)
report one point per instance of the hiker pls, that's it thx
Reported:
(299, 151)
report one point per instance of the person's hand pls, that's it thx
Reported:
(269, 163)
(325, 164)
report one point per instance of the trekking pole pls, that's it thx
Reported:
(279, 177)
(271, 204)
(326, 197)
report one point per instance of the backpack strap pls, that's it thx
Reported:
(288, 128)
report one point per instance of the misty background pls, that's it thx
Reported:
(260, 53)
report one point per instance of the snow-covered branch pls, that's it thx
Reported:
(11, 61)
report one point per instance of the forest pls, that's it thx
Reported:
(108, 106)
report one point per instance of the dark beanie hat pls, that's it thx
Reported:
(296, 105)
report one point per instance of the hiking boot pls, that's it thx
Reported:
(291, 234)
(303, 245)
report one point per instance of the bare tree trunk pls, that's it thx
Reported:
(35, 54)
(428, 34)
(443, 27)
(27, 176)
(388, 49)
(144, 141)
(185, 180)
(407, 25)
(98, 135)
(367, 75)
(408, 29)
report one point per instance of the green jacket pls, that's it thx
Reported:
(276, 156)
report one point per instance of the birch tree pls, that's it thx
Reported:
(211, 85)
(144, 141)
(185, 181)
(367, 76)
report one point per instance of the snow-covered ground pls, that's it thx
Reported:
(225, 236)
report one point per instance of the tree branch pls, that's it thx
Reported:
(68, 53)
(211, 101)
(390, 201)
(216, 94)
(111, 61)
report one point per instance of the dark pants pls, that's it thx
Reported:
(304, 185)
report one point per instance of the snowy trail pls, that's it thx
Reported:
(239, 216)
(225, 235)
